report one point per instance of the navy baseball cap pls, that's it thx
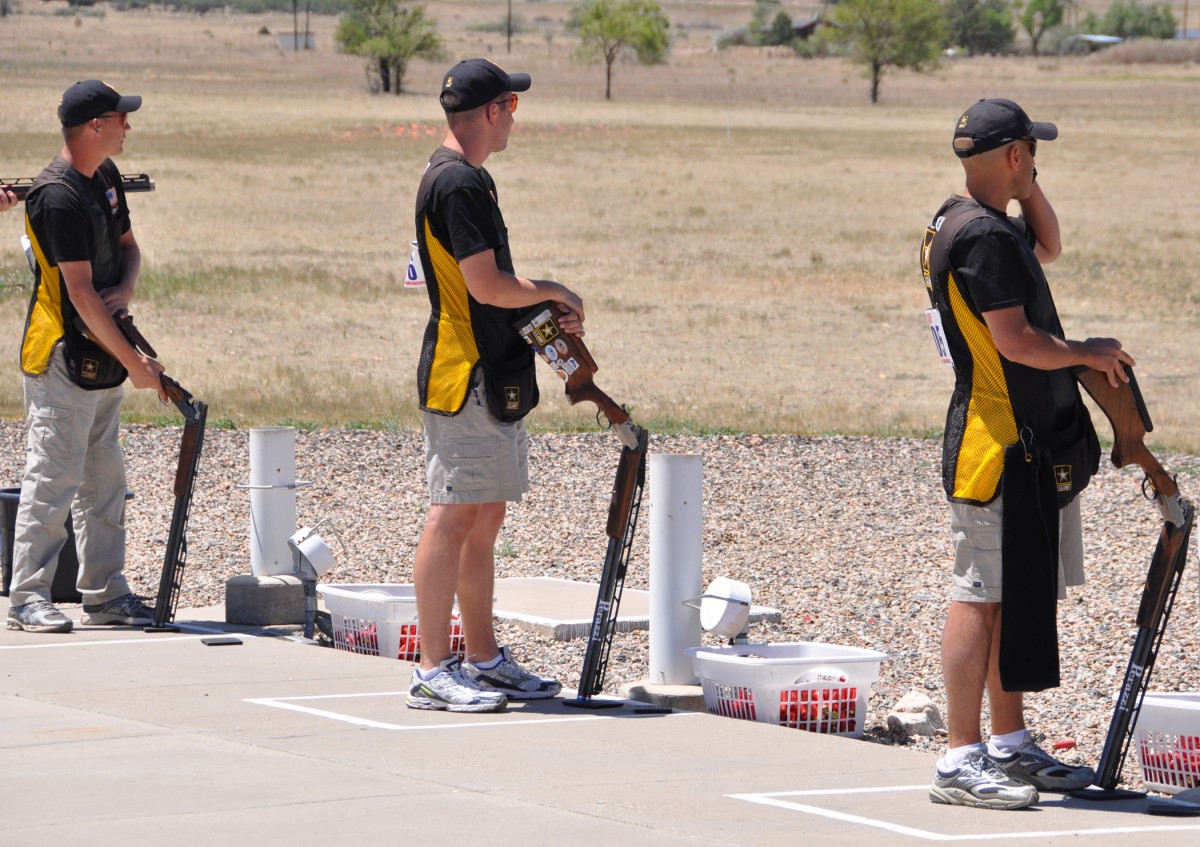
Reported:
(92, 98)
(474, 82)
(993, 123)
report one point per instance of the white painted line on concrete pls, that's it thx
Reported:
(74, 643)
(503, 719)
(775, 799)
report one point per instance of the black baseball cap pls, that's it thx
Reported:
(91, 98)
(993, 123)
(474, 82)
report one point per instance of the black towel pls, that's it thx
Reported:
(1029, 550)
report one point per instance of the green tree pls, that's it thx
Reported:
(390, 34)
(980, 26)
(609, 28)
(883, 34)
(763, 10)
(1037, 16)
(1130, 19)
(780, 33)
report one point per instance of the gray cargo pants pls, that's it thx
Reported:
(73, 466)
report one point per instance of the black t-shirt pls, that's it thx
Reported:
(463, 211)
(993, 258)
(81, 219)
(73, 218)
(458, 216)
(979, 260)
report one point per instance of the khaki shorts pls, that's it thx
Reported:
(474, 458)
(977, 563)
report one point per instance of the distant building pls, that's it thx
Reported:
(806, 27)
(1092, 43)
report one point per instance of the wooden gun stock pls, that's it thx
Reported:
(582, 386)
(1130, 421)
(571, 360)
(133, 335)
(20, 186)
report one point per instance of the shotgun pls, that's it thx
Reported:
(20, 186)
(623, 510)
(569, 357)
(1126, 412)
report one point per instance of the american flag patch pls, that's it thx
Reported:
(111, 194)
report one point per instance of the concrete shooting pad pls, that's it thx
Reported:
(114, 735)
(562, 609)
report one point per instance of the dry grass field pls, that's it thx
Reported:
(743, 226)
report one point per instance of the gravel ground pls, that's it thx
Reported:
(847, 536)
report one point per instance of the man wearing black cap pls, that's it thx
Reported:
(87, 264)
(1015, 423)
(476, 382)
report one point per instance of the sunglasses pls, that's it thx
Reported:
(510, 102)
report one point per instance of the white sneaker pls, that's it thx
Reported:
(452, 690)
(978, 781)
(38, 616)
(1030, 763)
(512, 679)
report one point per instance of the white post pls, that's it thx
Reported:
(676, 488)
(272, 499)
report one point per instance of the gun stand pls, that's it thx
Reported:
(623, 511)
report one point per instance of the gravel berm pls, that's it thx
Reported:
(848, 536)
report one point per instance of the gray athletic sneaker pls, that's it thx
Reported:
(979, 782)
(1044, 772)
(38, 616)
(127, 610)
(513, 680)
(452, 690)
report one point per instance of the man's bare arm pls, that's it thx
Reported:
(1024, 344)
(1040, 217)
(118, 298)
(488, 284)
(143, 372)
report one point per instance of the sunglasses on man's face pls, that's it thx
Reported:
(510, 102)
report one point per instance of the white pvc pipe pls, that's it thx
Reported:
(272, 499)
(676, 521)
